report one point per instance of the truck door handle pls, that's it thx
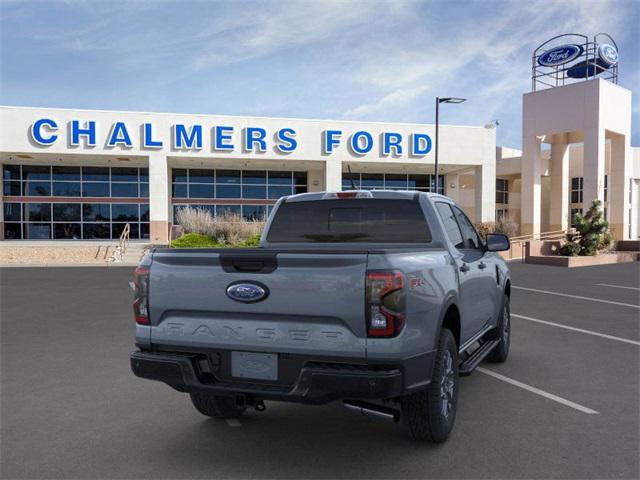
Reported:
(482, 265)
(464, 267)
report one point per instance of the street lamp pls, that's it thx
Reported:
(438, 102)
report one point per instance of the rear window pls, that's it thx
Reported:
(359, 220)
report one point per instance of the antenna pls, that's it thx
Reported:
(353, 185)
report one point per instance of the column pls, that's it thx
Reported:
(1, 208)
(159, 198)
(332, 175)
(559, 196)
(531, 187)
(618, 188)
(485, 192)
(593, 167)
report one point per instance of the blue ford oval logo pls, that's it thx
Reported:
(608, 54)
(247, 292)
(560, 55)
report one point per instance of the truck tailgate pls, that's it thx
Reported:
(315, 302)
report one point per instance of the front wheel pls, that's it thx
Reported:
(502, 333)
(430, 413)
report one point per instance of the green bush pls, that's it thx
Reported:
(252, 241)
(198, 240)
(592, 233)
(194, 240)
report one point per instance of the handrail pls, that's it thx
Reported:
(551, 235)
(123, 244)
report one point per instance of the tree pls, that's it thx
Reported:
(591, 235)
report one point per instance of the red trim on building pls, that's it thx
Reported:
(75, 199)
(220, 201)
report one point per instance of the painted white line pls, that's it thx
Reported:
(589, 332)
(578, 297)
(537, 391)
(233, 422)
(617, 286)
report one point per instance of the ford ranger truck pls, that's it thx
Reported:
(379, 299)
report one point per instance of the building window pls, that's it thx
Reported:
(65, 214)
(576, 190)
(200, 185)
(502, 190)
(74, 221)
(502, 213)
(573, 212)
(64, 181)
(249, 212)
(606, 187)
(392, 181)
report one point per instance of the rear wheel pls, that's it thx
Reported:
(503, 333)
(216, 406)
(430, 413)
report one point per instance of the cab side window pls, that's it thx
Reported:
(470, 237)
(450, 224)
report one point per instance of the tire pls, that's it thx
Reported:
(425, 412)
(503, 333)
(216, 406)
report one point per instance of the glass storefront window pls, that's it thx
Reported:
(124, 190)
(69, 231)
(66, 173)
(66, 189)
(124, 212)
(37, 189)
(95, 174)
(36, 172)
(37, 212)
(90, 189)
(66, 212)
(197, 190)
(96, 212)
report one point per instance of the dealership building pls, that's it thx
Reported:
(86, 174)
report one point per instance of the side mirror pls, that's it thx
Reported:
(497, 242)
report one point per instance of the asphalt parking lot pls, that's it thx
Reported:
(565, 405)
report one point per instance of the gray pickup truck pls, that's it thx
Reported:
(380, 299)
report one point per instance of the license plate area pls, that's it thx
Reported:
(252, 365)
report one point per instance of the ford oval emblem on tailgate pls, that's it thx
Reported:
(247, 292)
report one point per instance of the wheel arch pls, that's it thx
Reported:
(451, 320)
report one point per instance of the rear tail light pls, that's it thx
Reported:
(141, 295)
(385, 303)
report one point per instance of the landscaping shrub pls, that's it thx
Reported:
(591, 235)
(194, 240)
(485, 227)
(226, 229)
(507, 226)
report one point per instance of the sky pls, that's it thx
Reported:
(345, 60)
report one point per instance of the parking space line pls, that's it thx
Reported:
(537, 391)
(611, 302)
(233, 422)
(589, 332)
(616, 286)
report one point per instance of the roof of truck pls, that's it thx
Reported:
(406, 194)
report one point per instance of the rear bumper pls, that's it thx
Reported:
(317, 382)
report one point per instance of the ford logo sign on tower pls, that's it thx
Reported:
(608, 54)
(246, 292)
(560, 55)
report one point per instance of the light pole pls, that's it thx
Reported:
(438, 102)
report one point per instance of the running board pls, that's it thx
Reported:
(469, 365)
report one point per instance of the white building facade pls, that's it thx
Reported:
(85, 174)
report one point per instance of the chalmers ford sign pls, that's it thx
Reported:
(222, 138)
